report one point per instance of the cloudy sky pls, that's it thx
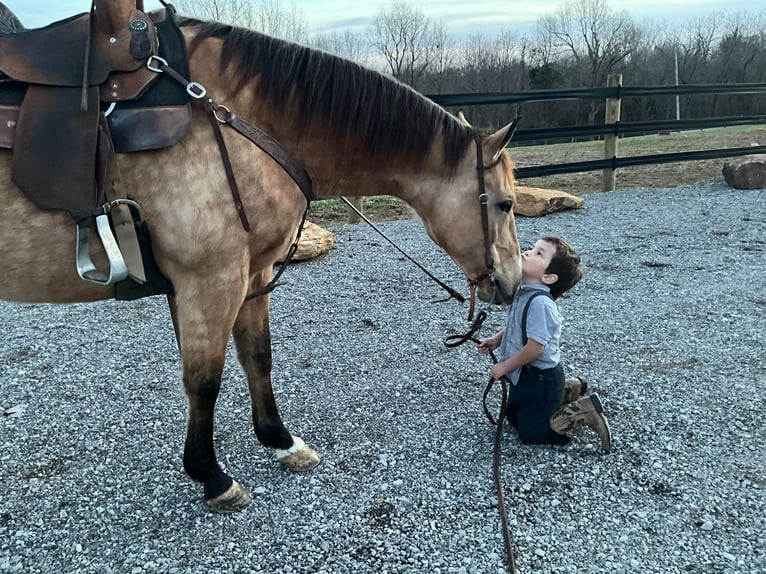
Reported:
(459, 16)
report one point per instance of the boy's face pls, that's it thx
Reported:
(535, 262)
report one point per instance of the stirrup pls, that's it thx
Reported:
(86, 269)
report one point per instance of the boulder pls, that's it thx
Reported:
(314, 242)
(746, 172)
(536, 201)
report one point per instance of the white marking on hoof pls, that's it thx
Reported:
(299, 457)
(298, 444)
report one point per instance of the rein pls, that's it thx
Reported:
(455, 341)
(452, 293)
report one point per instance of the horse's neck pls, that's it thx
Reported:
(335, 172)
(335, 169)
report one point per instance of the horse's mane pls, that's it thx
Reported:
(359, 106)
(509, 169)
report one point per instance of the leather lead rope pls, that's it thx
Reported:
(452, 293)
(455, 341)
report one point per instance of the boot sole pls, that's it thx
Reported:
(597, 403)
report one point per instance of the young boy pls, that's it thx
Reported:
(529, 351)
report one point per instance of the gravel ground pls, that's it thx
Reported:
(667, 325)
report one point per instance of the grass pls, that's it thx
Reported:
(659, 175)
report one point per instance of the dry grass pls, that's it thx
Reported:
(660, 175)
(332, 212)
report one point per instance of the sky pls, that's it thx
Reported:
(461, 17)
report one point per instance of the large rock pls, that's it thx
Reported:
(536, 201)
(746, 172)
(314, 241)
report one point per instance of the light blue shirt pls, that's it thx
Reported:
(543, 326)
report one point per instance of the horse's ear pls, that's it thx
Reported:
(461, 118)
(496, 142)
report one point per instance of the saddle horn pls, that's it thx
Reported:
(111, 15)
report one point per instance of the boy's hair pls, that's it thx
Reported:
(565, 263)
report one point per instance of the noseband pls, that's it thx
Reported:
(489, 261)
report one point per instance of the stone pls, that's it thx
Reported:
(536, 201)
(746, 172)
(314, 242)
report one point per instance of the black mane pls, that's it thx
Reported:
(359, 105)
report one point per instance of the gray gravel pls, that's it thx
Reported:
(667, 325)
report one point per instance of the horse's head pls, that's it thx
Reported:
(473, 222)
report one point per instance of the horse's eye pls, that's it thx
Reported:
(505, 205)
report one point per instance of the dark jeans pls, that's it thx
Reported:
(533, 400)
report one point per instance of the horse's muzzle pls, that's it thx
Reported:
(499, 294)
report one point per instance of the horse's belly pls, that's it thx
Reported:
(37, 254)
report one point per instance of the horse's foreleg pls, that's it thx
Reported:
(203, 328)
(253, 341)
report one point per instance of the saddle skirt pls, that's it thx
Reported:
(56, 82)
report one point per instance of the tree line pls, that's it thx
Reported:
(577, 45)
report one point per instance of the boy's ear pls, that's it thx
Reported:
(550, 278)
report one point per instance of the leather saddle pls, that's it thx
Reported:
(75, 92)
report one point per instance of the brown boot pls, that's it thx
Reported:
(574, 389)
(587, 411)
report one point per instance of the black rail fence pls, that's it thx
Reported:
(617, 128)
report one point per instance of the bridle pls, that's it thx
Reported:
(489, 260)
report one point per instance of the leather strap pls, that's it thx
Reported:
(227, 166)
(524, 314)
(275, 150)
(483, 201)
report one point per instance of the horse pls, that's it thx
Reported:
(356, 131)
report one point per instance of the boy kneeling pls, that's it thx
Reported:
(543, 406)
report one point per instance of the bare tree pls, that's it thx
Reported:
(695, 43)
(478, 63)
(597, 38)
(406, 39)
(740, 49)
(440, 56)
(237, 12)
(276, 18)
(346, 44)
(271, 17)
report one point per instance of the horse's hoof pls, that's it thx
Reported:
(234, 499)
(299, 457)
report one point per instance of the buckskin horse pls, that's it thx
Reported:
(216, 230)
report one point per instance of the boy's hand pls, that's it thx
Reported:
(498, 371)
(486, 346)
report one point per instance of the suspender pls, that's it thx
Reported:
(536, 293)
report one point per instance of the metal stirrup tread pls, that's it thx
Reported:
(86, 269)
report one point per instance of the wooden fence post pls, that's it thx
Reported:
(610, 141)
(351, 215)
